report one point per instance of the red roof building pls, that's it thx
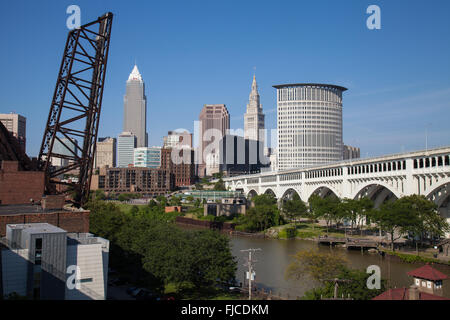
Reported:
(428, 273)
(427, 286)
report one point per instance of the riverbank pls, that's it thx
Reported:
(312, 232)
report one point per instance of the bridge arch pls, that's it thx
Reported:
(288, 194)
(252, 193)
(269, 191)
(377, 192)
(239, 185)
(440, 192)
(324, 191)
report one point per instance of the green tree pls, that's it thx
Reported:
(294, 208)
(100, 194)
(328, 208)
(396, 218)
(220, 185)
(190, 198)
(161, 200)
(134, 210)
(430, 222)
(355, 286)
(263, 215)
(175, 201)
(317, 265)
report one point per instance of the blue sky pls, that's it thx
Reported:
(196, 52)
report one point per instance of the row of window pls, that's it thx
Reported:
(432, 162)
(310, 93)
(377, 167)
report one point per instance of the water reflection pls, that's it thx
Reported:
(276, 255)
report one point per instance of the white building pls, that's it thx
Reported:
(44, 262)
(176, 139)
(254, 117)
(147, 157)
(309, 123)
(126, 142)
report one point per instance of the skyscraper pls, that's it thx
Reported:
(214, 124)
(254, 117)
(16, 124)
(105, 154)
(125, 149)
(309, 118)
(135, 108)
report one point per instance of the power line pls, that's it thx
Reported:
(250, 273)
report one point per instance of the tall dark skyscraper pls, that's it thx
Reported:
(135, 108)
(214, 119)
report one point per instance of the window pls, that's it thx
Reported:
(38, 251)
(86, 280)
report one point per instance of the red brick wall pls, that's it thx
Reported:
(18, 187)
(67, 220)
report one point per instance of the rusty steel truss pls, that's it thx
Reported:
(70, 135)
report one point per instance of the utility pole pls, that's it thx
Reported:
(336, 285)
(250, 273)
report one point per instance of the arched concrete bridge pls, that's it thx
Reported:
(381, 178)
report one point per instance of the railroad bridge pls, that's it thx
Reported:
(380, 179)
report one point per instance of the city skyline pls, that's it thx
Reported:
(398, 90)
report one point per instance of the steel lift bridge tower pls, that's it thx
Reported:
(75, 108)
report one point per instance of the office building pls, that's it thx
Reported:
(65, 147)
(238, 155)
(16, 124)
(147, 157)
(309, 123)
(135, 108)
(350, 152)
(126, 143)
(105, 154)
(254, 117)
(177, 139)
(43, 262)
(214, 124)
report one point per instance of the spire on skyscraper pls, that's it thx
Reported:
(135, 75)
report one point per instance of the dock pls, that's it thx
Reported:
(350, 243)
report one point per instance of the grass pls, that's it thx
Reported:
(412, 257)
(188, 292)
(307, 230)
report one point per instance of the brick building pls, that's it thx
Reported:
(70, 219)
(146, 181)
(182, 167)
(18, 187)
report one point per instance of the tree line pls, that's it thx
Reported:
(146, 245)
(414, 215)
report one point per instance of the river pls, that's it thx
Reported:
(276, 255)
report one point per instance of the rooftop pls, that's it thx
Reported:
(34, 228)
(8, 210)
(403, 294)
(427, 272)
(279, 86)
